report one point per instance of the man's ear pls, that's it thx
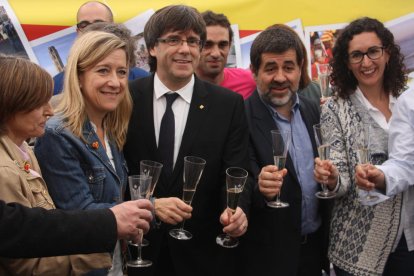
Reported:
(253, 72)
(152, 52)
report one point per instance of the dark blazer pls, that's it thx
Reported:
(217, 131)
(272, 242)
(36, 232)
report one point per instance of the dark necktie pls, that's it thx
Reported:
(167, 132)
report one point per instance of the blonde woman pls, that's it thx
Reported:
(81, 151)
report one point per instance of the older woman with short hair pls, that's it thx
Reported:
(25, 90)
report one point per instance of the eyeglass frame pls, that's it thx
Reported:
(169, 40)
(81, 25)
(366, 54)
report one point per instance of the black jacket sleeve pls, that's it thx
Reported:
(36, 232)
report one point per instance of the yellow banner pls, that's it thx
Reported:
(248, 14)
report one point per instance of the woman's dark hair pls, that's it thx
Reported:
(344, 82)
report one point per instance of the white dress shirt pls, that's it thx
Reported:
(180, 107)
(374, 112)
(399, 168)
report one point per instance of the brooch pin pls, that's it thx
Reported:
(95, 145)
(25, 167)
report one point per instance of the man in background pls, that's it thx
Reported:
(89, 13)
(214, 55)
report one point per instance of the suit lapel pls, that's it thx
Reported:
(146, 107)
(265, 123)
(262, 119)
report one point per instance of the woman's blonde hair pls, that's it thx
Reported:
(88, 50)
(24, 86)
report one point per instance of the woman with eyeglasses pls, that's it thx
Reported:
(367, 76)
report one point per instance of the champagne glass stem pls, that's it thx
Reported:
(278, 198)
(139, 246)
(182, 225)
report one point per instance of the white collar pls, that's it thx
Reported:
(185, 92)
(360, 96)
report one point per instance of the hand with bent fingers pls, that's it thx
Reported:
(234, 224)
(325, 173)
(131, 216)
(270, 181)
(368, 177)
(172, 210)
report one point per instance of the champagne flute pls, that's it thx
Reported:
(323, 138)
(235, 180)
(193, 169)
(139, 186)
(364, 156)
(323, 77)
(280, 141)
(153, 169)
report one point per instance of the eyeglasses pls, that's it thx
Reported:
(373, 53)
(173, 41)
(83, 24)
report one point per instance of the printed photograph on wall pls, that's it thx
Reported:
(403, 30)
(13, 40)
(52, 50)
(319, 42)
(234, 57)
(136, 26)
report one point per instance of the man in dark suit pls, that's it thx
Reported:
(37, 232)
(283, 241)
(208, 122)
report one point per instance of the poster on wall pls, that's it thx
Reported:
(136, 26)
(247, 41)
(13, 40)
(403, 31)
(319, 42)
(52, 50)
(234, 57)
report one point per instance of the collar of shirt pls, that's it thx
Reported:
(185, 92)
(373, 111)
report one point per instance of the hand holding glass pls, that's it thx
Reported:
(139, 186)
(323, 138)
(193, 169)
(280, 141)
(364, 155)
(235, 180)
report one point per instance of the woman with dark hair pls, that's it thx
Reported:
(367, 76)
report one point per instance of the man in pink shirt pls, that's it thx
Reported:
(213, 57)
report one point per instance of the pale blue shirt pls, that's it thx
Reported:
(399, 168)
(301, 153)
